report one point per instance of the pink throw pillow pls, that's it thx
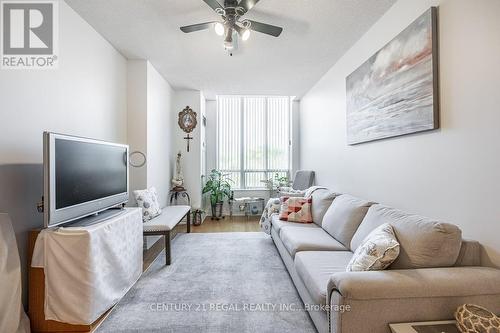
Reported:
(295, 209)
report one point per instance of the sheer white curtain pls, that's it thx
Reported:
(253, 138)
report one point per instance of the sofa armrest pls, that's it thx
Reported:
(375, 299)
(416, 283)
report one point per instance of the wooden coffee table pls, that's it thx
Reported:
(425, 327)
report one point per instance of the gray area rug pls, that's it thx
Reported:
(220, 282)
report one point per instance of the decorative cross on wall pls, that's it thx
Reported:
(187, 122)
(188, 138)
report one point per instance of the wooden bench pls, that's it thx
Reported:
(166, 222)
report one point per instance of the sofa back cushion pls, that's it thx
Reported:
(322, 199)
(470, 253)
(343, 217)
(424, 242)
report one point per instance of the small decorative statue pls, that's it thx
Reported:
(178, 180)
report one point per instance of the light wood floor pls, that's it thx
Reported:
(234, 224)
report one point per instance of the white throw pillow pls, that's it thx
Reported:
(148, 201)
(377, 251)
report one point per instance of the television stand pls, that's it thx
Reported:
(96, 218)
(83, 265)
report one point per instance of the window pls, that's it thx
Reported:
(253, 138)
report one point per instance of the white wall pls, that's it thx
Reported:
(191, 162)
(137, 122)
(149, 98)
(451, 173)
(160, 164)
(85, 96)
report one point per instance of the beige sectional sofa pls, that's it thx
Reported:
(435, 272)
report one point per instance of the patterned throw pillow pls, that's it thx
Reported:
(148, 201)
(295, 209)
(377, 251)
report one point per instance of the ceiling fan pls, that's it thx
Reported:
(232, 25)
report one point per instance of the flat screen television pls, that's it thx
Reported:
(82, 177)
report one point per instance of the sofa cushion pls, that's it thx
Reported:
(278, 224)
(316, 267)
(308, 239)
(167, 220)
(322, 199)
(344, 216)
(424, 242)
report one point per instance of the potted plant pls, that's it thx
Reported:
(281, 181)
(197, 216)
(218, 186)
(275, 183)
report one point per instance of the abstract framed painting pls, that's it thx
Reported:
(395, 92)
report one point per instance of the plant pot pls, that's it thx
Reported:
(217, 211)
(197, 217)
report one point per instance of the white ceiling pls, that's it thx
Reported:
(316, 34)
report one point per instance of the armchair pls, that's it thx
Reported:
(302, 181)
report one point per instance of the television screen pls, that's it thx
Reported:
(88, 171)
(82, 177)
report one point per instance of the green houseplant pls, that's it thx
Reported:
(274, 184)
(218, 186)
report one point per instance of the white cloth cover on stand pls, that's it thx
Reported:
(89, 269)
(12, 316)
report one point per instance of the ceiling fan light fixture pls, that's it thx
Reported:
(228, 39)
(245, 35)
(228, 45)
(231, 26)
(219, 29)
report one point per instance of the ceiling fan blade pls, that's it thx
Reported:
(265, 28)
(247, 4)
(197, 27)
(214, 4)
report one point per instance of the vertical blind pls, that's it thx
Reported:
(253, 138)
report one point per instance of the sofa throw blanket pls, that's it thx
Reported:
(273, 208)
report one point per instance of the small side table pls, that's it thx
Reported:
(244, 205)
(254, 203)
(447, 326)
(177, 192)
(240, 205)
